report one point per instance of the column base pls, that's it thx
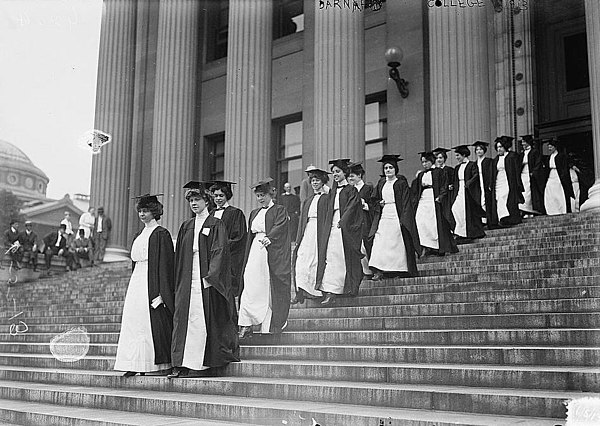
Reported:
(593, 201)
(116, 254)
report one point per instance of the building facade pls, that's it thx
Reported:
(243, 89)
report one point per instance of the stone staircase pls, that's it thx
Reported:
(504, 332)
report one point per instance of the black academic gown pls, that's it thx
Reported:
(161, 282)
(279, 259)
(562, 168)
(449, 174)
(235, 223)
(321, 212)
(473, 207)
(351, 226)
(366, 192)
(515, 194)
(537, 179)
(219, 305)
(443, 217)
(406, 215)
(486, 171)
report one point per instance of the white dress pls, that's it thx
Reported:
(135, 351)
(576, 190)
(334, 276)
(502, 189)
(196, 335)
(255, 301)
(554, 195)
(481, 185)
(307, 256)
(526, 206)
(426, 217)
(459, 208)
(389, 252)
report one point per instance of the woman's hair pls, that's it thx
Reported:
(343, 167)
(154, 207)
(464, 151)
(443, 154)
(197, 193)
(428, 156)
(393, 163)
(265, 188)
(482, 147)
(323, 177)
(501, 144)
(224, 188)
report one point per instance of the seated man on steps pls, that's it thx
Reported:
(82, 248)
(28, 240)
(56, 244)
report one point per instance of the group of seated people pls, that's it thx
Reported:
(23, 247)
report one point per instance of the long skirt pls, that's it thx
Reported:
(135, 351)
(195, 339)
(389, 251)
(427, 221)
(554, 195)
(527, 206)
(364, 261)
(576, 190)
(459, 211)
(502, 191)
(334, 276)
(255, 301)
(307, 259)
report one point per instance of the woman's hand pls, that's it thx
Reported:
(265, 242)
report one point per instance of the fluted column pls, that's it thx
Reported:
(174, 106)
(592, 18)
(514, 70)
(248, 110)
(114, 114)
(459, 77)
(339, 102)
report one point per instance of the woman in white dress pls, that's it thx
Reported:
(506, 186)
(532, 177)
(265, 300)
(147, 321)
(394, 231)
(305, 258)
(559, 188)
(339, 271)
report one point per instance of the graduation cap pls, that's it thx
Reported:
(314, 169)
(440, 149)
(342, 163)
(482, 144)
(263, 185)
(357, 168)
(390, 158)
(220, 184)
(554, 141)
(462, 150)
(428, 155)
(146, 199)
(195, 184)
(528, 138)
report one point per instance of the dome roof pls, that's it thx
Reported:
(11, 152)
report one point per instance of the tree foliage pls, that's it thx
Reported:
(10, 209)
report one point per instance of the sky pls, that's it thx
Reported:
(48, 69)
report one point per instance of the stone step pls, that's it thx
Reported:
(521, 337)
(443, 309)
(553, 320)
(36, 414)
(531, 403)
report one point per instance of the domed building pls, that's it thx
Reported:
(19, 175)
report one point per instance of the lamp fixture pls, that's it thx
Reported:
(394, 56)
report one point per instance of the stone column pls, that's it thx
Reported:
(592, 18)
(248, 105)
(515, 102)
(339, 101)
(175, 106)
(114, 114)
(459, 75)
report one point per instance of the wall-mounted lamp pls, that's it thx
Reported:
(394, 56)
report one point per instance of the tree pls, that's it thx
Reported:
(10, 209)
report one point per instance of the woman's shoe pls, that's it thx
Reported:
(298, 299)
(378, 276)
(130, 374)
(176, 372)
(245, 332)
(328, 301)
